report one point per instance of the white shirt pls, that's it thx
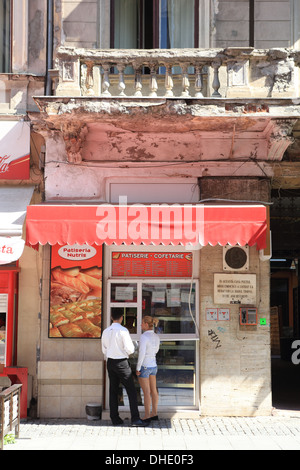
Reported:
(149, 346)
(116, 342)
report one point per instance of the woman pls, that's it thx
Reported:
(146, 368)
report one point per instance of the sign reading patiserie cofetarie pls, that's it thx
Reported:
(149, 264)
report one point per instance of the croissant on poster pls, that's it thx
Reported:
(94, 272)
(74, 284)
(70, 281)
(90, 281)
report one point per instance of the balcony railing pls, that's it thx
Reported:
(195, 73)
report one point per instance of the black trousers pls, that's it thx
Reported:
(119, 371)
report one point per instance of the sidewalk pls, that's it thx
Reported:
(279, 432)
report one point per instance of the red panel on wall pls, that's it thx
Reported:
(3, 281)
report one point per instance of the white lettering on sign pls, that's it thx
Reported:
(77, 252)
(4, 165)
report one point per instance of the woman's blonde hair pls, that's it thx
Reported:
(150, 321)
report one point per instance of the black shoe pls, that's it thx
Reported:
(146, 420)
(154, 418)
(139, 423)
(117, 422)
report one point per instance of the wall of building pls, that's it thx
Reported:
(29, 25)
(70, 371)
(236, 377)
(229, 23)
(272, 23)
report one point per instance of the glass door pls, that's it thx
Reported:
(174, 303)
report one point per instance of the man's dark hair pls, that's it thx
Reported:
(116, 313)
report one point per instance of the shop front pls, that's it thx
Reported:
(161, 282)
(14, 199)
(164, 261)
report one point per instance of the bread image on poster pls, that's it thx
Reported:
(75, 292)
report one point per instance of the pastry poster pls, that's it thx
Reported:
(75, 291)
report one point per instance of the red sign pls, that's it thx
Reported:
(75, 291)
(14, 150)
(146, 264)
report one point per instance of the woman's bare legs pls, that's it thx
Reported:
(145, 384)
(154, 394)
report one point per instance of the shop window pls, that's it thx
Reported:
(148, 24)
(174, 303)
(5, 36)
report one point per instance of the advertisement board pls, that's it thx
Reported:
(148, 264)
(76, 291)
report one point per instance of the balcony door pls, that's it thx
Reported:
(152, 24)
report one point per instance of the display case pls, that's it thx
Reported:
(176, 364)
(176, 375)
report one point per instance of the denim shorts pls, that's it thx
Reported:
(147, 371)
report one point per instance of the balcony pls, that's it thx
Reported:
(213, 106)
(177, 73)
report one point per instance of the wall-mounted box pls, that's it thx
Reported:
(223, 314)
(211, 314)
(248, 316)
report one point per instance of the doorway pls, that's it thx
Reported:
(285, 294)
(174, 303)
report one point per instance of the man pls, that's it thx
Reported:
(117, 347)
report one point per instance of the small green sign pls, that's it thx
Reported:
(263, 321)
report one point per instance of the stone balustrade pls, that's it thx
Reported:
(185, 73)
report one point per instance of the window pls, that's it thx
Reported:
(148, 24)
(174, 303)
(5, 28)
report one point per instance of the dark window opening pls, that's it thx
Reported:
(149, 24)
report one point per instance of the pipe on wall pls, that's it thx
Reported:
(49, 59)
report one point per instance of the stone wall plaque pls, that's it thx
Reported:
(235, 289)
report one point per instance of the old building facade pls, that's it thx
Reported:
(136, 107)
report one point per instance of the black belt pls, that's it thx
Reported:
(123, 359)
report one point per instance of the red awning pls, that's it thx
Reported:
(152, 224)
